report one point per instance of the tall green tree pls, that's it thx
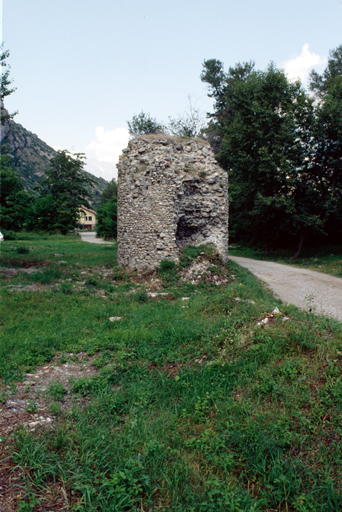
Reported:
(62, 192)
(222, 88)
(107, 212)
(321, 84)
(326, 157)
(110, 192)
(263, 123)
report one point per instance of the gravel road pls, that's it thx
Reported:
(90, 236)
(303, 288)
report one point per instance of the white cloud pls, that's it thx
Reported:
(300, 67)
(105, 170)
(108, 144)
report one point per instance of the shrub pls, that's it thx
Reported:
(22, 250)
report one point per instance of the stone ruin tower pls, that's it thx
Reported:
(171, 193)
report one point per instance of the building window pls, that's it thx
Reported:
(90, 217)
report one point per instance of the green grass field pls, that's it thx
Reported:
(194, 407)
(327, 259)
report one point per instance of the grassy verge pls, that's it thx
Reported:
(195, 407)
(327, 259)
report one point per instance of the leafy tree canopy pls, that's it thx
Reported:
(282, 151)
(107, 219)
(320, 84)
(14, 200)
(107, 212)
(5, 82)
(62, 192)
(109, 192)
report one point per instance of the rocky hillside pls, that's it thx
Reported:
(31, 157)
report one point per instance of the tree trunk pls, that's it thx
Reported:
(266, 241)
(300, 246)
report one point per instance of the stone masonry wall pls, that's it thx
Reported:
(171, 193)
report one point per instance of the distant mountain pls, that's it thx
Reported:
(31, 157)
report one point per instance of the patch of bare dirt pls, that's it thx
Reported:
(30, 404)
(9, 488)
(55, 498)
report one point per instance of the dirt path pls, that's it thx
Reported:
(305, 288)
(90, 236)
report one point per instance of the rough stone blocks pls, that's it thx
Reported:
(171, 193)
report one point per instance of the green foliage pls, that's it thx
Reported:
(142, 124)
(192, 252)
(168, 271)
(140, 296)
(22, 250)
(47, 276)
(321, 84)
(106, 226)
(326, 161)
(281, 152)
(110, 192)
(32, 407)
(191, 124)
(192, 407)
(5, 82)
(62, 192)
(107, 213)
(15, 203)
(57, 391)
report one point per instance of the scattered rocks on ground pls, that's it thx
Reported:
(29, 405)
(25, 288)
(115, 318)
(9, 271)
(270, 317)
(203, 270)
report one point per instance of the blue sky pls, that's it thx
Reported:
(82, 68)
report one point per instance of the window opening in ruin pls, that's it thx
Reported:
(185, 231)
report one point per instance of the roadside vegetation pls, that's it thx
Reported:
(324, 258)
(180, 401)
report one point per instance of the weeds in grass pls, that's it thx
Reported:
(32, 407)
(66, 288)
(48, 276)
(91, 282)
(168, 271)
(140, 296)
(57, 391)
(22, 250)
(193, 408)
